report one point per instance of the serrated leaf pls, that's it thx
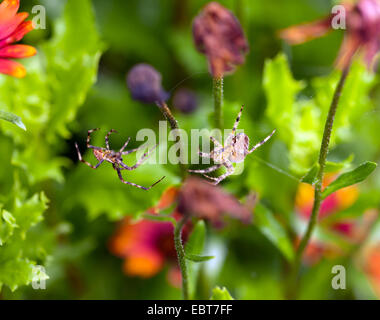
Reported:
(221, 294)
(10, 117)
(7, 225)
(273, 230)
(349, 178)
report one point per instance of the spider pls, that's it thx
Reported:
(105, 154)
(235, 149)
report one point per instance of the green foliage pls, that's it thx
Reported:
(220, 294)
(273, 230)
(299, 119)
(7, 116)
(349, 178)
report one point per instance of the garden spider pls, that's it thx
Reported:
(235, 149)
(105, 154)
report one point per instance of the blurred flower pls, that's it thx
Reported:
(218, 34)
(353, 230)
(199, 198)
(12, 29)
(372, 266)
(148, 245)
(144, 82)
(185, 100)
(363, 31)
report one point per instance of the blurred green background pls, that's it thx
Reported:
(60, 100)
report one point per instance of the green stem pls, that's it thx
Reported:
(218, 101)
(181, 256)
(174, 126)
(322, 163)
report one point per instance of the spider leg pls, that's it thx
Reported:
(125, 145)
(87, 163)
(89, 137)
(134, 184)
(210, 169)
(132, 150)
(237, 121)
(216, 142)
(230, 170)
(262, 142)
(203, 154)
(139, 162)
(108, 136)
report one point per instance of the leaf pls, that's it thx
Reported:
(311, 176)
(7, 116)
(273, 230)
(194, 247)
(72, 62)
(160, 217)
(198, 258)
(349, 178)
(7, 225)
(220, 294)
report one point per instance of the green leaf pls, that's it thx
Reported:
(349, 178)
(311, 176)
(194, 247)
(220, 294)
(273, 230)
(198, 258)
(7, 116)
(160, 217)
(7, 225)
(72, 62)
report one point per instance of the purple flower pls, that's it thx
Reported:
(144, 82)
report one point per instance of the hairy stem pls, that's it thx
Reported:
(174, 126)
(218, 101)
(322, 163)
(181, 256)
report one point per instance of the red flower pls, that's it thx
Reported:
(363, 31)
(12, 29)
(147, 246)
(218, 34)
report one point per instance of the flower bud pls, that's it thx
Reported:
(218, 34)
(144, 82)
(185, 101)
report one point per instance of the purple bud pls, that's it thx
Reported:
(185, 101)
(144, 82)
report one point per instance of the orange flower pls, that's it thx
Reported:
(372, 267)
(147, 246)
(218, 34)
(363, 31)
(12, 29)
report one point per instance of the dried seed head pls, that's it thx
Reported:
(200, 198)
(218, 34)
(185, 101)
(144, 82)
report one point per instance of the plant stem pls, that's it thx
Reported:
(174, 126)
(322, 163)
(181, 256)
(218, 101)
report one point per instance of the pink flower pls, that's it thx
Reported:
(12, 29)
(363, 31)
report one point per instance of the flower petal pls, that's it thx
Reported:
(8, 27)
(305, 32)
(17, 51)
(8, 8)
(18, 34)
(12, 68)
